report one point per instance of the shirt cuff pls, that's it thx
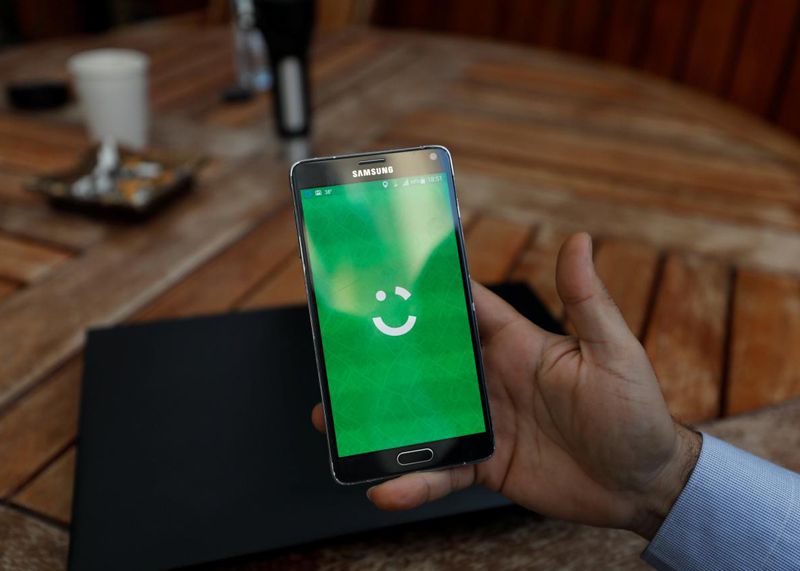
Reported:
(737, 511)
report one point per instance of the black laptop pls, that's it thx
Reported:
(196, 444)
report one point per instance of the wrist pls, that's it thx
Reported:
(667, 487)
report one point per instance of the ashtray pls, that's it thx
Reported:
(111, 180)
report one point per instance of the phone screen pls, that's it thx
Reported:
(394, 326)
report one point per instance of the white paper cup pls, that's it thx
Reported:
(112, 88)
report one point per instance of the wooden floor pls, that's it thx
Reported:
(694, 207)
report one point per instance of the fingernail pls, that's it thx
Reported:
(369, 493)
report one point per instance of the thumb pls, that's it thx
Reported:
(588, 305)
(412, 490)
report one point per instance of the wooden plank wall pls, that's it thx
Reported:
(745, 51)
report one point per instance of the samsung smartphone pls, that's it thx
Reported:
(392, 315)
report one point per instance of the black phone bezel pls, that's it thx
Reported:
(330, 171)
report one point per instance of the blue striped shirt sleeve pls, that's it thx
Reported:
(737, 511)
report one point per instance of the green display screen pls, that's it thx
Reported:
(392, 312)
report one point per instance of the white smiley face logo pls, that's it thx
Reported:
(387, 329)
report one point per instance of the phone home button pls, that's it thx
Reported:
(415, 456)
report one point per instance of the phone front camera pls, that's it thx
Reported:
(433, 156)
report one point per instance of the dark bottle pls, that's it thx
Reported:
(287, 27)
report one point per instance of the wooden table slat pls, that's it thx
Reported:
(36, 147)
(12, 190)
(51, 492)
(286, 287)
(242, 114)
(685, 338)
(174, 60)
(492, 247)
(765, 341)
(556, 77)
(41, 223)
(341, 60)
(628, 270)
(532, 198)
(26, 261)
(537, 267)
(49, 134)
(175, 92)
(7, 288)
(603, 155)
(652, 127)
(654, 199)
(222, 281)
(28, 158)
(34, 430)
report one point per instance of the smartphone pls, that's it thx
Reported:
(392, 316)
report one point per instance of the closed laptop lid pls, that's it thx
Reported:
(196, 444)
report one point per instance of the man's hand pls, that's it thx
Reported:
(582, 431)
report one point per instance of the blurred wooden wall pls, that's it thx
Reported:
(340, 13)
(746, 51)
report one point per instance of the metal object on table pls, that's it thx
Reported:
(249, 56)
(287, 25)
(117, 181)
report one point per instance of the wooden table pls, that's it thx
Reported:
(694, 206)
